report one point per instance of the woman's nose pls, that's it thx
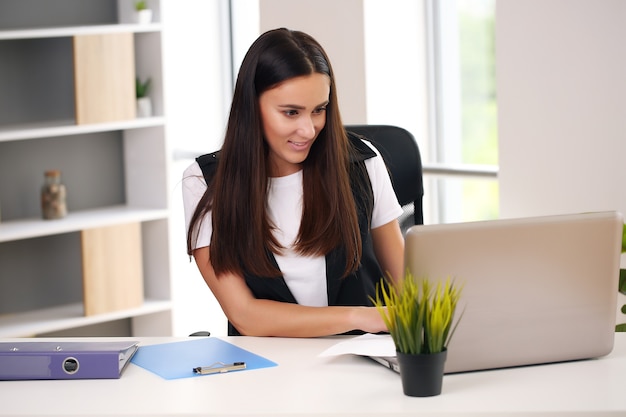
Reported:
(306, 129)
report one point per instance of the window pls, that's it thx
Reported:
(462, 186)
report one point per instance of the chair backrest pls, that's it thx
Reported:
(400, 152)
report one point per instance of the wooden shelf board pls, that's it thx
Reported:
(58, 32)
(76, 221)
(38, 130)
(68, 316)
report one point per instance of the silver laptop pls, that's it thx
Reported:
(536, 290)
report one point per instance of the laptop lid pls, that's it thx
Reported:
(536, 290)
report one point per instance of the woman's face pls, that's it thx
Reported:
(293, 113)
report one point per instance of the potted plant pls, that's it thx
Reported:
(144, 13)
(144, 104)
(420, 317)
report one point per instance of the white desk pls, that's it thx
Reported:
(305, 385)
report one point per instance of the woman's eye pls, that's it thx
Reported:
(291, 112)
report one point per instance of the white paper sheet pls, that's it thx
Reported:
(364, 345)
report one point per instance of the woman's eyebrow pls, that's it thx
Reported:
(299, 107)
(292, 106)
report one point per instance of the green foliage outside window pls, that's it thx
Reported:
(479, 124)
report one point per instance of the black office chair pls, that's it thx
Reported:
(400, 152)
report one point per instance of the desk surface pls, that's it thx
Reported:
(304, 384)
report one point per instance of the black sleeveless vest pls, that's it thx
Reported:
(353, 290)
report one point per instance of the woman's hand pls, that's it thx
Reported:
(369, 320)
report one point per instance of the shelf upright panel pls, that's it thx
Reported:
(112, 268)
(104, 67)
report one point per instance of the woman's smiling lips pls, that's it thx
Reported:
(300, 145)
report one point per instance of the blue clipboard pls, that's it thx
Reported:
(178, 359)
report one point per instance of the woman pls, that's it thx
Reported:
(293, 221)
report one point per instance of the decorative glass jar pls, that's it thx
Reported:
(53, 195)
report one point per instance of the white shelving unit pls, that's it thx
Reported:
(115, 172)
(78, 30)
(36, 130)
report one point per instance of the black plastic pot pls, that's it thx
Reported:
(422, 374)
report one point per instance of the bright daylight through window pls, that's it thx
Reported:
(465, 135)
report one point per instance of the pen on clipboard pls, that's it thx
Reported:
(219, 367)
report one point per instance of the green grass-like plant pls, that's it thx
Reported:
(141, 5)
(141, 88)
(419, 315)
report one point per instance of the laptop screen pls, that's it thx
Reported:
(536, 290)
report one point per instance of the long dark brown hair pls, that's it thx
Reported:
(237, 195)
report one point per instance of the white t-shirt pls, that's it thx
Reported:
(305, 276)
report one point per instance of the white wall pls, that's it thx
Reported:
(197, 90)
(338, 27)
(562, 105)
(396, 70)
